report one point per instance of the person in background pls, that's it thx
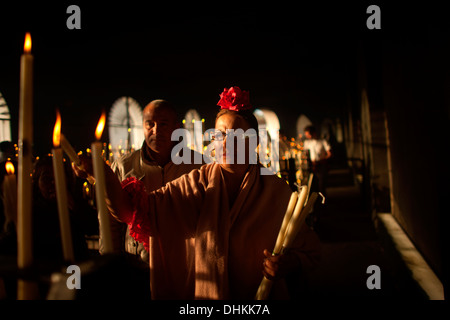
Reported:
(7, 151)
(319, 153)
(152, 164)
(46, 230)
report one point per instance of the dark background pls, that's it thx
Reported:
(294, 58)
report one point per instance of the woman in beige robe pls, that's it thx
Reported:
(209, 232)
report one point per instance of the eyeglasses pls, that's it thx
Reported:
(219, 135)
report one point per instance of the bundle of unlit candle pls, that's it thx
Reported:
(296, 213)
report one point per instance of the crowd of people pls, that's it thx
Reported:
(205, 231)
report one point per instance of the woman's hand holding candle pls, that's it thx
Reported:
(116, 199)
(276, 267)
(75, 159)
(69, 150)
(278, 264)
(84, 167)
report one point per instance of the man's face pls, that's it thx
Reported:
(158, 126)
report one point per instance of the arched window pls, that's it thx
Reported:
(125, 126)
(268, 120)
(5, 120)
(194, 124)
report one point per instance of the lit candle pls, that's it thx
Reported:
(61, 193)
(24, 191)
(10, 194)
(100, 187)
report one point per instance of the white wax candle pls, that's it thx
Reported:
(24, 192)
(100, 190)
(296, 225)
(69, 150)
(61, 194)
(285, 223)
(285, 236)
(73, 156)
(10, 194)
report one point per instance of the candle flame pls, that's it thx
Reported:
(57, 131)
(9, 167)
(100, 126)
(27, 44)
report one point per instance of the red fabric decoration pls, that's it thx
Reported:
(139, 224)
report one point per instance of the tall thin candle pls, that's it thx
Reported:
(285, 223)
(10, 194)
(291, 218)
(100, 187)
(61, 193)
(295, 227)
(24, 192)
(73, 156)
(69, 150)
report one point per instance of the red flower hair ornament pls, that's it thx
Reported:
(234, 99)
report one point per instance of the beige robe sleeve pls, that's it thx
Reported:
(169, 222)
